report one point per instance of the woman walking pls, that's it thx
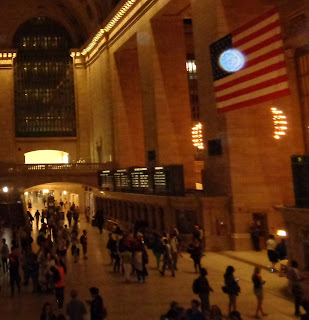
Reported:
(195, 251)
(258, 283)
(231, 287)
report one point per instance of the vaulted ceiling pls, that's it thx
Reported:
(82, 18)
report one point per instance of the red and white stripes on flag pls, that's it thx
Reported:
(264, 76)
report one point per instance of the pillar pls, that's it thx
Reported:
(7, 116)
(172, 99)
(100, 98)
(209, 24)
(129, 127)
(146, 49)
(83, 109)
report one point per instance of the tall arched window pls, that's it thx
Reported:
(44, 86)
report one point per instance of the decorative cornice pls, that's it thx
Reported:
(105, 30)
(6, 59)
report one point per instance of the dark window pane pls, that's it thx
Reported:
(44, 85)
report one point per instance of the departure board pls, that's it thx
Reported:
(140, 180)
(169, 180)
(159, 179)
(121, 178)
(106, 180)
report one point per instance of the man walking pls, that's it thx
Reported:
(83, 241)
(4, 256)
(202, 288)
(297, 290)
(174, 250)
(37, 218)
(167, 258)
(75, 308)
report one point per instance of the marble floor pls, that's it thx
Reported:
(136, 301)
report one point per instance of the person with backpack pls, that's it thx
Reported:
(84, 243)
(59, 280)
(202, 288)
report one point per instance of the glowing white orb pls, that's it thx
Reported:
(232, 60)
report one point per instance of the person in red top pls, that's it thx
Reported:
(59, 280)
(258, 284)
(83, 241)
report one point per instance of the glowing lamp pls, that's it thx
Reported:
(64, 192)
(232, 60)
(45, 191)
(281, 233)
(5, 189)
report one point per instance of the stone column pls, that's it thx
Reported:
(173, 108)
(83, 109)
(7, 116)
(128, 109)
(108, 149)
(146, 49)
(209, 24)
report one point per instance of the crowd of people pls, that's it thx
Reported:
(47, 267)
(128, 253)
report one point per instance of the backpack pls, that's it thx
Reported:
(196, 286)
(56, 275)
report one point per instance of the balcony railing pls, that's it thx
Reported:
(61, 168)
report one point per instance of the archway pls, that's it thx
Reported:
(46, 157)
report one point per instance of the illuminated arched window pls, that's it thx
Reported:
(44, 86)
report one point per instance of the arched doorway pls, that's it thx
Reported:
(46, 157)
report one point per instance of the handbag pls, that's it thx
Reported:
(225, 289)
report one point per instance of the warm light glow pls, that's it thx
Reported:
(64, 192)
(45, 191)
(111, 24)
(46, 157)
(26, 193)
(197, 136)
(5, 189)
(280, 123)
(191, 66)
(65, 158)
(281, 233)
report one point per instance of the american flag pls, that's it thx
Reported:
(263, 77)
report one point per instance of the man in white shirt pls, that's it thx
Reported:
(271, 252)
(174, 250)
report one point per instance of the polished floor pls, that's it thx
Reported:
(136, 301)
